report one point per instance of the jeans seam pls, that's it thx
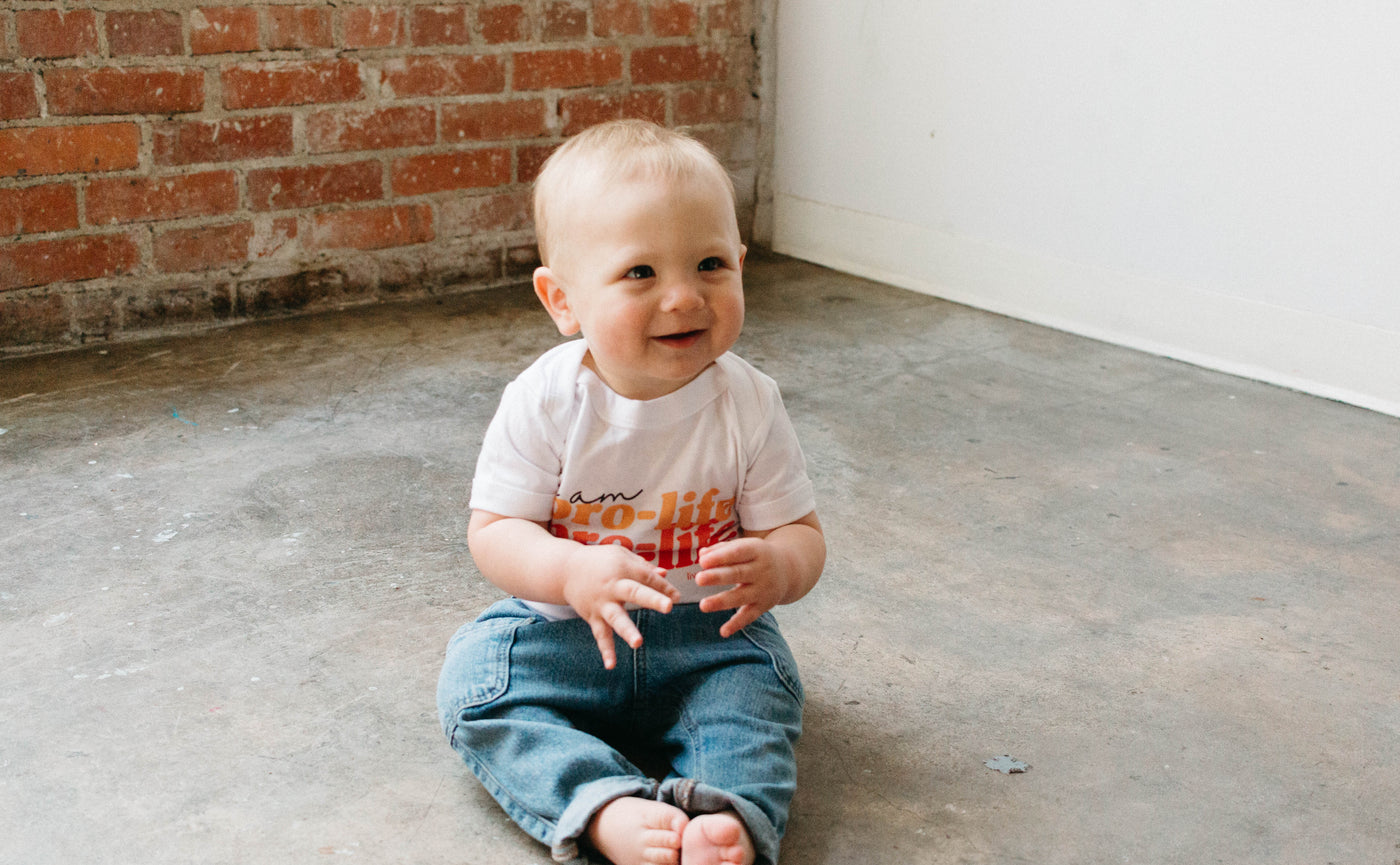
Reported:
(690, 727)
(788, 678)
(501, 635)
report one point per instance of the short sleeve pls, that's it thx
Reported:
(777, 490)
(517, 473)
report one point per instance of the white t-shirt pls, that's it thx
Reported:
(662, 477)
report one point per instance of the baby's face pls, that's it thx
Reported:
(652, 275)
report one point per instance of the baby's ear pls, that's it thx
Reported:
(550, 291)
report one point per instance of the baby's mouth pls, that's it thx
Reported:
(682, 337)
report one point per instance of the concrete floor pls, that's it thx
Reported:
(229, 565)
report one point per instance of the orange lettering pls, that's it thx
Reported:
(667, 519)
(583, 513)
(619, 516)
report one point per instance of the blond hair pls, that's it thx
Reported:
(615, 150)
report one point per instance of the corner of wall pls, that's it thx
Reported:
(766, 30)
(1325, 356)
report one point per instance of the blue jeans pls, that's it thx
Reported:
(528, 705)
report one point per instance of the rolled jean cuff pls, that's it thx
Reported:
(694, 798)
(587, 802)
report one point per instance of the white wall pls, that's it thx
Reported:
(1212, 180)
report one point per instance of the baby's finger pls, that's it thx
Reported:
(656, 579)
(622, 625)
(747, 615)
(728, 600)
(719, 576)
(732, 552)
(603, 636)
(646, 597)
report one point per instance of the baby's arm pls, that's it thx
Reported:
(769, 568)
(523, 558)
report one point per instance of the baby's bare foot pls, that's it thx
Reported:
(631, 831)
(717, 839)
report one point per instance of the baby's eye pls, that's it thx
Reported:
(714, 262)
(641, 271)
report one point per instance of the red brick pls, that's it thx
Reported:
(671, 63)
(143, 199)
(465, 215)
(501, 24)
(17, 96)
(185, 250)
(711, 105)
(313, 185)
(537, 70)
(51, 207)
(447, 75)
(440, 172)
(291, 82)
(116, 90)
(291, 27)
(529, 159)
(64, 149)
(493, 121)
(223, 140)
(381, 129)
(156, 33)
(673, 18)
(68, 260)
(617, 18)
(589, 109)
(440, 25)
(50, 33)
(223, 29)
(373, 228)
(373, 27)
(564, 22)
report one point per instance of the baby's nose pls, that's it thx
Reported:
(683, 295)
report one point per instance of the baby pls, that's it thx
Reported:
(642, 496)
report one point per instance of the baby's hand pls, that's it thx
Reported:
(752, 565)
(605, 577)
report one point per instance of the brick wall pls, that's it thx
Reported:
(164, 163)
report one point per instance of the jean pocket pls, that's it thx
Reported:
(765, 635)
(477, 668)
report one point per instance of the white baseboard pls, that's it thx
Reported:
(1317, 354)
